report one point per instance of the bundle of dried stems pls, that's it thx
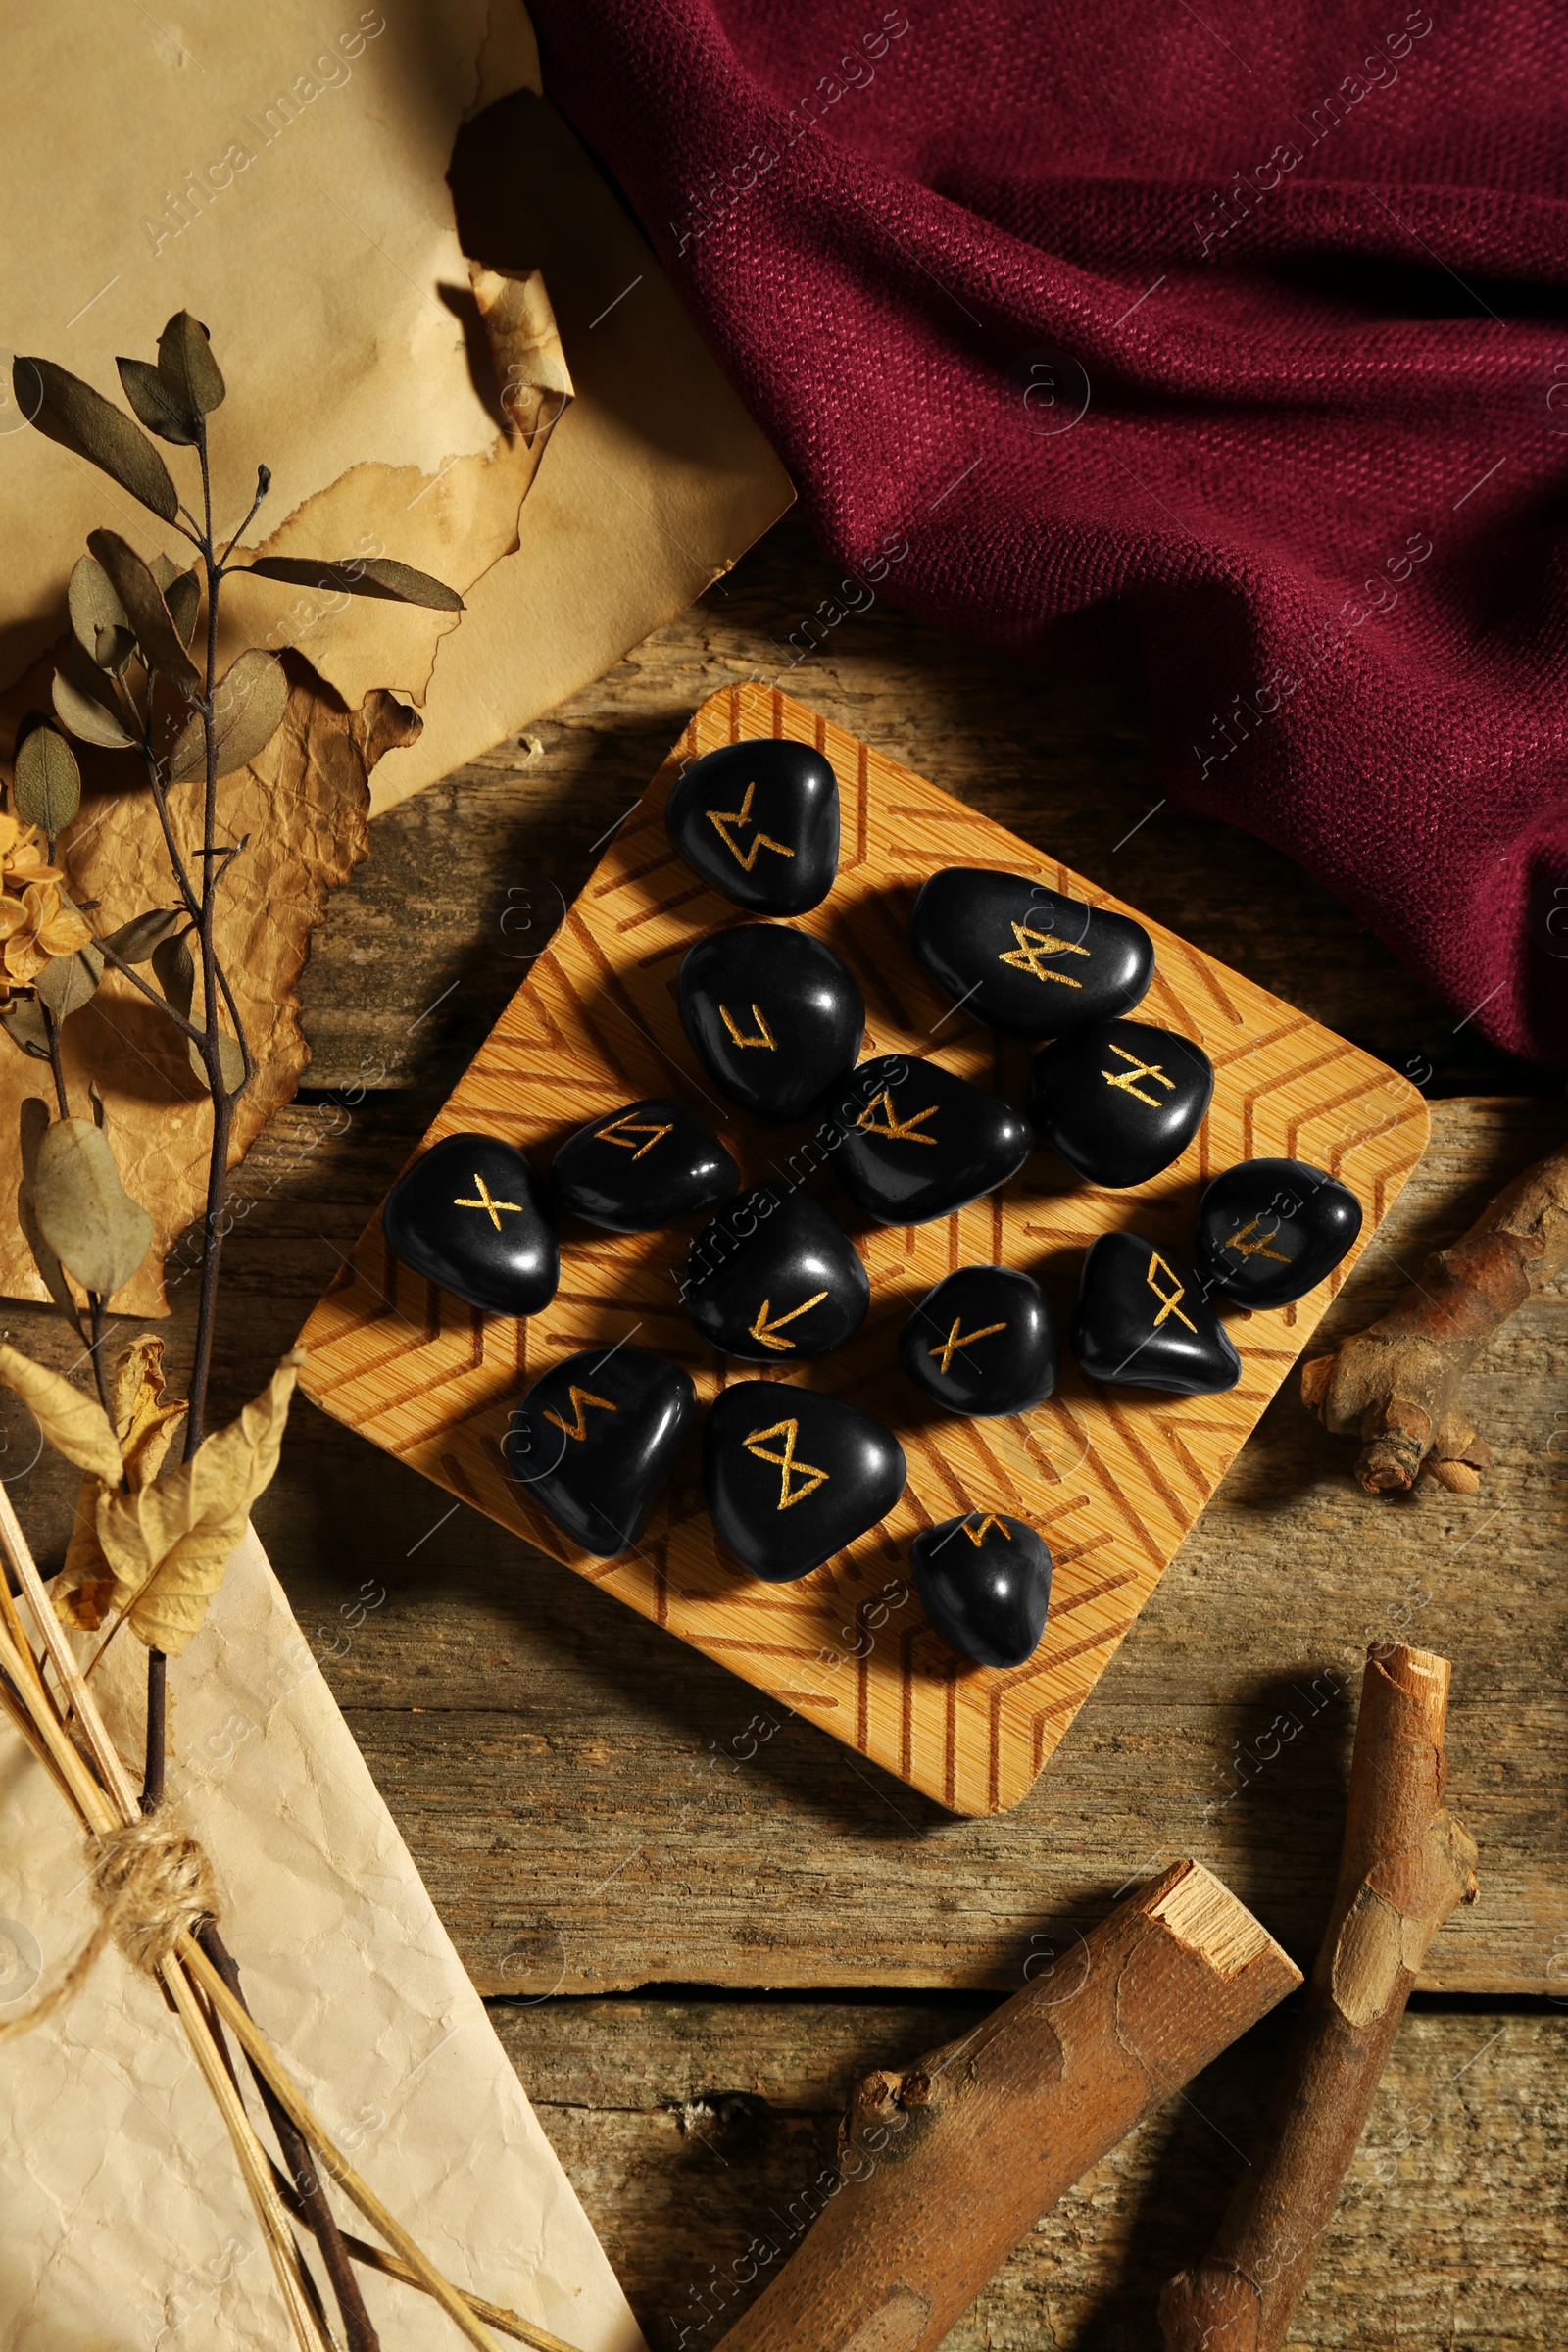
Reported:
(153, 1887)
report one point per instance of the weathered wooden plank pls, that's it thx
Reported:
(695, 2134)
(596, 1807)
(578, 1788)
(418, 958)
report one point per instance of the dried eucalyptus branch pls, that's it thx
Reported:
(156, 1546)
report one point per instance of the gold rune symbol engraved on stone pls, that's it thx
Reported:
(764, 1330)
(1140, 1069)
(766, 1038)
(1169, 1300)
(578, 1425)
(956, 1337)
(722, 819)
(977, 1535)
(1258, 1248)
(1032, 945)
(788, 1467)
(485, 1201)
(622, 1131)
(894, 1130)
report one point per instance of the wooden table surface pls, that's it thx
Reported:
(696, 1925)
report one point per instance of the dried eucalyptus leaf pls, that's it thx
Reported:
(33, 1125)
(91, 718)
(187, 366)
(248, 706)
(75, 1424)
(81, 421)
(175, 969)
(135, 940)
(362, 575)
(66, 982)
(47, 787)
(22, 1022)
(95, 1227)
(170, 1540)
(94, 606)
(231, 1061)
(145, 609)
(183, 597)
(153, 403)
(113, 648)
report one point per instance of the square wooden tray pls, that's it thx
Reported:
(1113, 1480)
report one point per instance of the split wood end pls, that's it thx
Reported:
(1204, 1915)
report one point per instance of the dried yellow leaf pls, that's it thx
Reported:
(74, 1423)
(87, 1593)
(169, 1542)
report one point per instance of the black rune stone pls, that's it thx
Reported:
(791, 1477)
(1143, 1322)
(597, 1439)
(1121, 1101)
(470, 1215)
(775, 1277)
(1269, 1230)
(984, 1581)
(927, 1142)
(1022, 957)
(775, 1017)
(759, 821)
(648, 1164)
(982, 1343)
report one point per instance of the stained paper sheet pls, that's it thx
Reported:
(126, 2224)
(282, 174)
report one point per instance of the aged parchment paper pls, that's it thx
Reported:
(125, 2225)
(282, 174)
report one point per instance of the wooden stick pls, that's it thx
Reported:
(256, 2046)
(943, 2170)
(1396, 1385)
(62, 1659)
(1405, 1865)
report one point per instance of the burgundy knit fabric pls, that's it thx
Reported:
(1253, 318)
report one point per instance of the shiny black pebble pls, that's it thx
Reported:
(1121, 1101)
(596, 1441)
(982, 1343)
(471, 1215)
(791, 1477)
(1025, 959)
(927, 1142)
(1269, 1230)
(1143, 1322)
(775, 1017)
(760, 821)
(648, 1164)
(984, 1581)
(775, 1277)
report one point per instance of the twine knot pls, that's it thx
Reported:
(151, 1882)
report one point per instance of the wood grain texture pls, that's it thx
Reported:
(1112, 1483)
(691, 2131)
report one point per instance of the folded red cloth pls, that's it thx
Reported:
(1253, 320)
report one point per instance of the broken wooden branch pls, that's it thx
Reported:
(1407, 1863)
(1396, 1386)
(943, 2169)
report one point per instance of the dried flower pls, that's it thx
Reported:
(35, 928)
(23, 856)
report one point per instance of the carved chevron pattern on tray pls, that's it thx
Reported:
(1113, 1480)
